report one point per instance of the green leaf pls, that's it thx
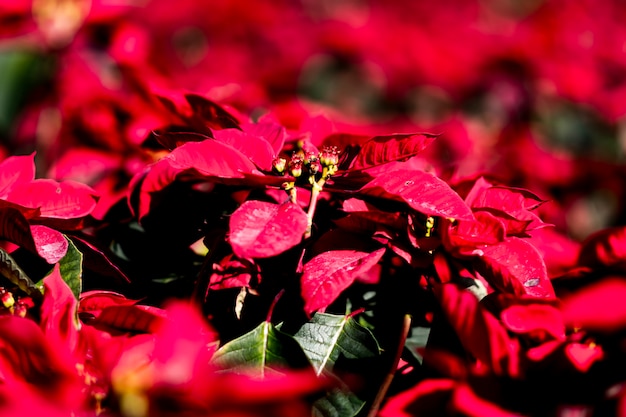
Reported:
(327, 337)
(12, 271)
(71, 268)
(337, 403)
(263, 350)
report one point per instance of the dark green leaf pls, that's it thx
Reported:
(337, 403)
(327, 337)
(71, 267)
(263, 350)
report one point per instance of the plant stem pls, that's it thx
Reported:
(315, 193)
(384, 387)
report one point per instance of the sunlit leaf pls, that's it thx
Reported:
(273, 133)
(257, 148)
(515, 266)
(60, 200)
(260, 229)
(48, 243)
(422, 191)
(382, 149)
(329, 273)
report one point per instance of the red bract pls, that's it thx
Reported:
(419, 190)
(328, 274)
(515, 266)
(53, 200)
(480, 332)
(599, 307)
(48, 243)
(238, 159)
(260, 230)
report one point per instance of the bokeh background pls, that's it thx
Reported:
(532, 92)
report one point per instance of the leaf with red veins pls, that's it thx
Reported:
(211, 158)
(56, 200)
(328, 274)
(260, 229)
(15, 171)
(515, 266)
(462, 238)
(207, 160)
(257, 148)
(422, 191)
(383, 149)
(598, 306)
(48, 243)
(481, 334)
(513, 205)
(59, 310)
(232, 273)
(605, 248)
(534, 319)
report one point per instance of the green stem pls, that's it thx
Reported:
(315, 193)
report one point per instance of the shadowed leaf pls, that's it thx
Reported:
(12, 271)
(264, 350)
(326, 337)
(479, 331)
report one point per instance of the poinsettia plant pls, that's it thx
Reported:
(183, 232)
(255, 267)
